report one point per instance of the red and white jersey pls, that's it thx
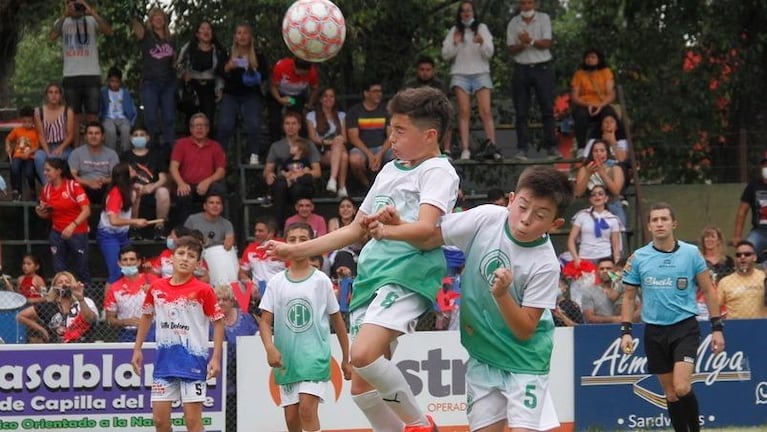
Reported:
(182, 316)
(260, 266)
(66, 202)
(126, 296)
(113, 206)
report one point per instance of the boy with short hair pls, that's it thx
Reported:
(20, 146)
(183, 308)
(118, 111)
(396, 283)
(509, 286)
(300, 352)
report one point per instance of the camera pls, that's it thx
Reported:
(65, 291)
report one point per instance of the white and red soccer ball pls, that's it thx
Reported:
(314, 30)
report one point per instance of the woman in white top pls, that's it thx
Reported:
(596, 229)
(327, 129)
(470, 45)
(601, 169)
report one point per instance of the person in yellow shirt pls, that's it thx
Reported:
(20, 146)
(593, 92)
(743, 292)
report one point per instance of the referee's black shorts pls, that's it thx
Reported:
(668, 344)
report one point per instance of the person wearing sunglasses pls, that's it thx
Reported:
(742, 293)
(595, 232)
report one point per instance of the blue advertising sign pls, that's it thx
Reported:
(77, 387)
(614, 391)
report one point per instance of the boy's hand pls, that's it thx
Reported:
(274, 358)
(137, 361)
(214, 367)
(278, 250)
(501, 282)
(346, 368)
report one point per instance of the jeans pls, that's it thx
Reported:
(207, 96)
(76, 248)
(159, 98)
(540, 78)
(22, 168)
(41, 156)
(110, 243)
(250, 107)
(113, 128)
(758, 237)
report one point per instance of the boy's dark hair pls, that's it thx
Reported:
(370, 83)
(213, 193)
(190, 242)
(426, 107)
(547, 182)
(495, 194)
(745, 243)
(300, 225)
(114, 72)
(95, 124)
(605, 259)
(270, 222)
(181, 231)
(662, 206)
(127, 249)
(424, 59)
(26, 111)
(197, 235)
(137, 127)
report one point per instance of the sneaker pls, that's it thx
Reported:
(580, 154)
(159, 232)
(430, 428)
(491, 152)
(551, 153)
(332, 186)
(342, 193)
(465, 154)
(254, 159)
(520, 155)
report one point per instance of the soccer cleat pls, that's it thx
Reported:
(430, 428)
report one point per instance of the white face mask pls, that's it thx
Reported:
(528, 14)
(764, 173)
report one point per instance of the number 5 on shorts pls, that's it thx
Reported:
(531, 400)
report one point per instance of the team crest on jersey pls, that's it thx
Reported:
(382, 201)
(298, 315)
(682, 283)
(492, 261)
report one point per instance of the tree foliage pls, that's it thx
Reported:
(692, 75)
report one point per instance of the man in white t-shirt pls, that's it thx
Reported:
(78, 29)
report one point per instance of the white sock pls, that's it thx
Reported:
(381, 418)
(394, 390)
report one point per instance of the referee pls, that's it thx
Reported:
(669, 272)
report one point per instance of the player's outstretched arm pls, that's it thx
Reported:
(335, 240)
(337, 321)
(424, 233)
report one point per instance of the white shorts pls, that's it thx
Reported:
(172, 390)
(289, 393)
(494, 395)
(393, 307)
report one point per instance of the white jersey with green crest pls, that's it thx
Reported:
(433, 181)
(301, 325)
(484, 236)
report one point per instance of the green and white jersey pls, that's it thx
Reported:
(301, 326)
(484, 236)
(434, 182)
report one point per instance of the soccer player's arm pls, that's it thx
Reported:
(419, 233)
(331, 241)
(143, 328)
(522, 320)
(214, 366)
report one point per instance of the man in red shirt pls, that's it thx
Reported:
(125, 296)
(294, 85)
(197, 165)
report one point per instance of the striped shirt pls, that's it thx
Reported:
(55, 130)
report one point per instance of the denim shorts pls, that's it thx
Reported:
(472, 83)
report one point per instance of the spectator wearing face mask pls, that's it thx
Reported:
(151, 179)
(125, 296)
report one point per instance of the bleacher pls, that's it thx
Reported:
(21, 231)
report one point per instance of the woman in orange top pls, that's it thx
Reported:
(593, 90)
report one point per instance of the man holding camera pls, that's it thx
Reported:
(82, 72)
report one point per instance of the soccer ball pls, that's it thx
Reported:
(314, 30)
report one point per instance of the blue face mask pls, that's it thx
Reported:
(129, 270)
(170, 244)
(139, 141)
